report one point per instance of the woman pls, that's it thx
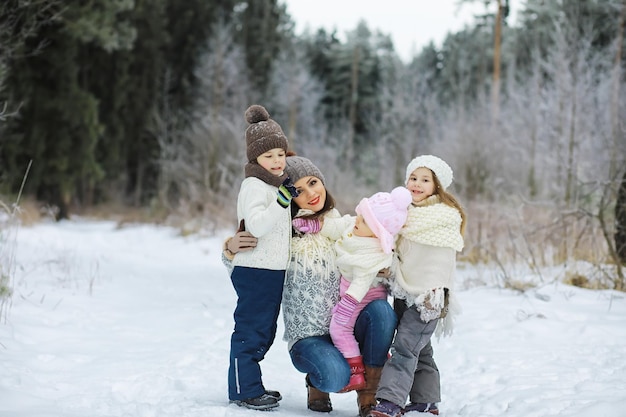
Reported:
(311, 291)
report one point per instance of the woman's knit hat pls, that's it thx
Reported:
(385, 214)
(263, 134)
(298, 167)
(436, 165)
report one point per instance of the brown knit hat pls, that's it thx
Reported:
(263, 133)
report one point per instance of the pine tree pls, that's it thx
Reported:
(262, 31)
(59, 127)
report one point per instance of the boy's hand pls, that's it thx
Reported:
(286, 192)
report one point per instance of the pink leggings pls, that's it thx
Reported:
(343, 336)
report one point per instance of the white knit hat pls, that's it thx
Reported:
(436, 165)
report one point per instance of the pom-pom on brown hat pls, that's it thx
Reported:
(263, 134)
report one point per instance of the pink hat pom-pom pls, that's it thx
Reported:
(401, 197)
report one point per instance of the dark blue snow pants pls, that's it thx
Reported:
(259, 293)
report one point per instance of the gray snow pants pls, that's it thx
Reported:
(411, 371)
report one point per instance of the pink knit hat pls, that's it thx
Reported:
(385, 214)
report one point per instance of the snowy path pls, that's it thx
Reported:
(110, 322)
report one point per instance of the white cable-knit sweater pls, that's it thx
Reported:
(266, 220)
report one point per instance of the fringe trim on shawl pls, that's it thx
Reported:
(431, 304)
(314, 252)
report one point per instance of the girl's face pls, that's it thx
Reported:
(421, 184)
(312, 193)
(273, 161)
(361, 228)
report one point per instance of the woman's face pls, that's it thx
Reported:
(312, 193)
(421, 184)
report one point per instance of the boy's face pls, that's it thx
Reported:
(361, 228)
(421, 184)
(273, 161)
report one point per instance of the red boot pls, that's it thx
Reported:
(357, 377)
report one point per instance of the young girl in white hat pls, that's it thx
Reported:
(422, 287)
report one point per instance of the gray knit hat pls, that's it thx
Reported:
(298, 167)
(263, 134)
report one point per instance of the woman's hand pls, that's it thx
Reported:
(241, 242)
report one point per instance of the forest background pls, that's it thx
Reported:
(135, 108)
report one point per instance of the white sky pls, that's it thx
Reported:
(135, 321)
(412, 24)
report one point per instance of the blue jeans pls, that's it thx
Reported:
(326, 367)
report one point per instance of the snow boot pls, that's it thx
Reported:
(366, 397)
(385, 409)
(262, 402)
(357, 378)
(317, 400)
(422, 408)
(274, 394)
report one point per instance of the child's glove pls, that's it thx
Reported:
(343, 311)
(286, 192)
(431, 304)
(306, 225)
(384, 273)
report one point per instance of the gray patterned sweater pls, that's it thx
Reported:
(311, 288)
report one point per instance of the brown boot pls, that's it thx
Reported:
(366, 397)
(317, 400)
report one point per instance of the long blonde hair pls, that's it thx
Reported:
(450, 200)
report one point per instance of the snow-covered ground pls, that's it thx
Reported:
(136, 322)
